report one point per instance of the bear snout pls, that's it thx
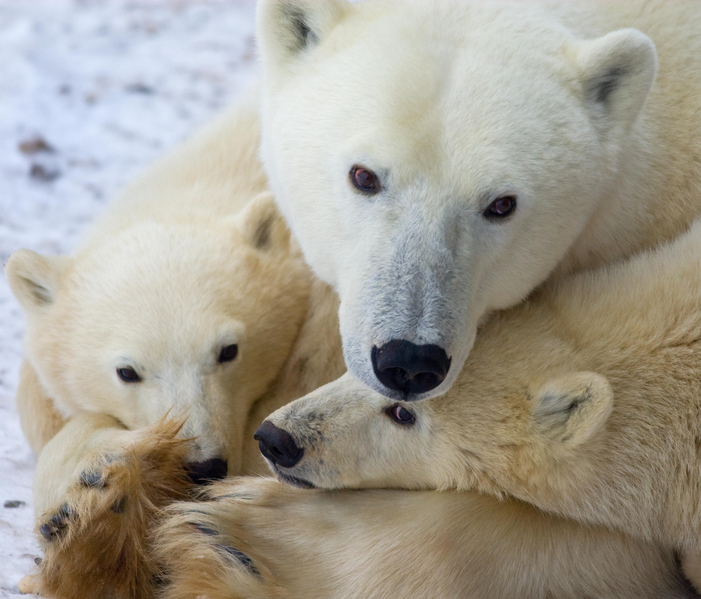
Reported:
(277, 445)
(409, 368)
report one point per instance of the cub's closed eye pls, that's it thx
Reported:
(128, 375)
(228, 353)
(400, 415)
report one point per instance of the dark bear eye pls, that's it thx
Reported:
(501, 208)
(228, 353)
(365, 180)
(400, 415)
(128, 375)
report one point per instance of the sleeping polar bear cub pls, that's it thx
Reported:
(584, 401)
(463, 152)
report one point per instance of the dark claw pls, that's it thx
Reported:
(120, 506)
(38, 560)
(91, 479)
(241, 558)
(48, 532)
(57, 524)
(196, 511)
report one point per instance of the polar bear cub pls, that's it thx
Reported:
(167, 306)
(584, 401)
(165, 319)
(188, 300)
(464, 152)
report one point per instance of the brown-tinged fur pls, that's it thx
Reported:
(105, 552)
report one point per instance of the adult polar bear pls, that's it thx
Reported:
(464, 152)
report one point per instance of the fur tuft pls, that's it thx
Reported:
(105, 553)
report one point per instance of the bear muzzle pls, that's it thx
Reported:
(277, 445)
(409, 368)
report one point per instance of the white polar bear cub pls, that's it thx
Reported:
(165, 308)
(583, 401)
(439, 160)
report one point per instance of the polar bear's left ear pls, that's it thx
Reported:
(34, 279)
(569, 409)
(262, 225)
(286, 28)
(616, 73)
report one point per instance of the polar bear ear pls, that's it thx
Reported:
(569, 409)
(34, 279)
(617, 72)
(262, 225)
(286, 28)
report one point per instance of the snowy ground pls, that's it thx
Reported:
(108, 85)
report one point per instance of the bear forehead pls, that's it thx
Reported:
(457, 20)
(420, 41)
(158, 273)
(438, 98)
(159, 254)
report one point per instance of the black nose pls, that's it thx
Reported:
(208, 471)
(409, 368)
(277, 445)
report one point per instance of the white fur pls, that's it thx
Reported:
(174, 271)
(583, 401)
(454, 104)
(381, 544)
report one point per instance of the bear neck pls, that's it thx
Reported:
(642, 472)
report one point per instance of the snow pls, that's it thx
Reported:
(109, 85)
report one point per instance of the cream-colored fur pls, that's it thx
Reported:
(257, 538)
(99, 483)
(585, 401)
(164, 299)
(587, 114)
(191, 258)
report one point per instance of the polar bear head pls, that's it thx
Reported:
(346, 436)
(437, 160)
(189, 319)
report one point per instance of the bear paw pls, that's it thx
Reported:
(206, 552)
(97, 542)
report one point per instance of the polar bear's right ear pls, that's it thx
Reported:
(286, 28)
(616, 72)
(569, 409)
(263, 226)
(34, 279)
